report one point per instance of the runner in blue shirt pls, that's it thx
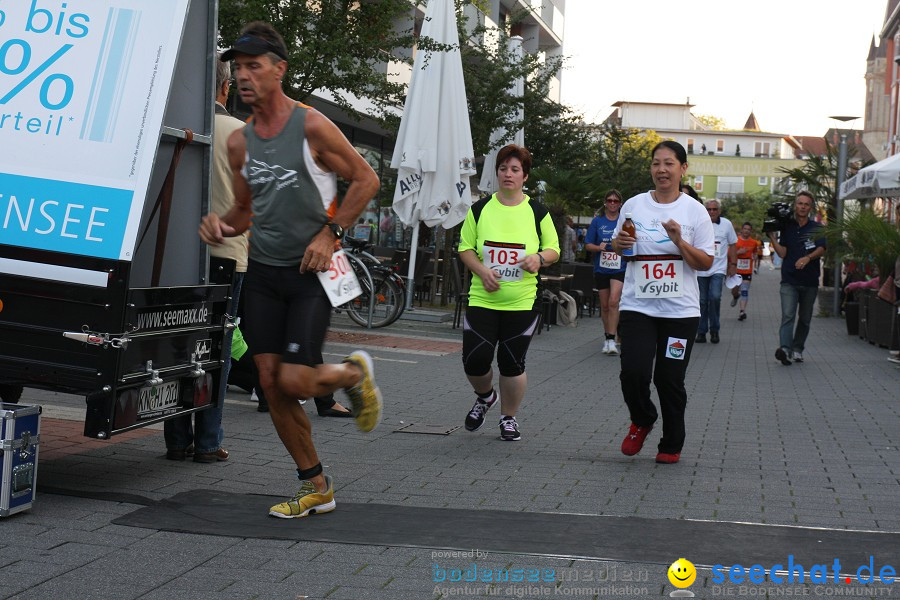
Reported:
(609, 268)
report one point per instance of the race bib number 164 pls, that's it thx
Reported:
(658, 278)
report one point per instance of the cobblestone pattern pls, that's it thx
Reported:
(813, 444)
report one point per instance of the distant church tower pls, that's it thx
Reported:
(752, 124)
(878, 97)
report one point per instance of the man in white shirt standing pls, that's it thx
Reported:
(570, 241)
(710, 282)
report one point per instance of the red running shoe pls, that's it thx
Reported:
(668, 459)
(634, 441)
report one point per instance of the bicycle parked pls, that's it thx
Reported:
(389, 287)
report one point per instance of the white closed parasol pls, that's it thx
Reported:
(434, 153)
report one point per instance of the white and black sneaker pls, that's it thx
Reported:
(509, 430)
(475, 418)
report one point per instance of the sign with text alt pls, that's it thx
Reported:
(83, 89)
(339, 281)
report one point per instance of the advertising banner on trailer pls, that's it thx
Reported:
(82, 95)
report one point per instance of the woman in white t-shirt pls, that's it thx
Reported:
(660, 306)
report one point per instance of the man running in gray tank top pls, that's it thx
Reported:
(285, 162)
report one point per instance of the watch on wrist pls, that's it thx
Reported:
(541, 258)
(336, 229)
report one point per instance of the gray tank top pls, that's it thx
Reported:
(287, 206)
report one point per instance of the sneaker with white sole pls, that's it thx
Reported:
(509, 430)
(613, 348)
(365, 397)
(797, 356)
(306, 502)
(475, 418)
(605, 347)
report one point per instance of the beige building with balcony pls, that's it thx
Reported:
(722, 163)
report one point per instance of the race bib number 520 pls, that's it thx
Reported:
(501, 258)
(610, 260)
(659, 278)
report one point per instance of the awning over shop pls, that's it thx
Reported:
(878, 179)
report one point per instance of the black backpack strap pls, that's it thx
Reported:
(479, 206)
(540, 211)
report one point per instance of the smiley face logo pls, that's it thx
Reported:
(682, 573)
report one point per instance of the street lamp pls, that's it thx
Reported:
(839, 206)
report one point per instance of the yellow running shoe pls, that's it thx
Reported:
(306, 502)
(365, 396)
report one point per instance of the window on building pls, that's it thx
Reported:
(720, 146)
(762, 149)
(698, 183)
(763, 181)
(690, 145)
(729, 186)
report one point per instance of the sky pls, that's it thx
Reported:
(793, 63)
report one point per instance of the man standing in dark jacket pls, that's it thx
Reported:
(800, 245)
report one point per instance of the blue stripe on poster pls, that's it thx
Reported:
(92, 104)
(74, 218)
(114, 56)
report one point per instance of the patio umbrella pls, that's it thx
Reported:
(488, 183)
(879, 179)
(434, 153)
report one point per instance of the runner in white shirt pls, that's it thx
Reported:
(711, 280)
(660, 306)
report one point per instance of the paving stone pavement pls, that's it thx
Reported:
(810, 445)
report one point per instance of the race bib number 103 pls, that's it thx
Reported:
(502, 258)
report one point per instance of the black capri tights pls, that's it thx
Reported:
(509, 331)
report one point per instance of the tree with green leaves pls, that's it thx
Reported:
(817, 174)
(554, 134)
(864, 236)
(620, 158)
(334, 45)
(748, 208)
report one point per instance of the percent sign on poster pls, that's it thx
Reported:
(17, 50)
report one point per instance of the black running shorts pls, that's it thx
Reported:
(507, 331)
(288, 313)
(601, 280)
